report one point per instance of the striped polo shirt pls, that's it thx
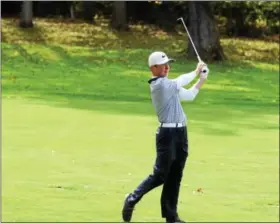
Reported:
(167, 94)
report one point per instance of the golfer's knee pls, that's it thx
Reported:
(159, 174)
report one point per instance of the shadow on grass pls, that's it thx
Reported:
(32, 35)
(113, 81)
(76, 32)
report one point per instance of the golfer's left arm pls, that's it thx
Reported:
(191, 93)
(185, 79)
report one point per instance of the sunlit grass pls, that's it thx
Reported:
(78, 127)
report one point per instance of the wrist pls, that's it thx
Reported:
(203, 78)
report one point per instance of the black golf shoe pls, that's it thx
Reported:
(175, 220)
(128, 208)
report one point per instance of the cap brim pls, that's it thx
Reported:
(170, 60)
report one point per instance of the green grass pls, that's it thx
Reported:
(78, 129)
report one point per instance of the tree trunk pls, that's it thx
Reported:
(204, 32)
(88, 12)
(72, 11)
(229, 24)
(26, 16)
(119, 17)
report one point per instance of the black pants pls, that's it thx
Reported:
(172, 152)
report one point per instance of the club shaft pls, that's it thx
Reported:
(198, 57)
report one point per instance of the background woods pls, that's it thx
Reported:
(207, 21)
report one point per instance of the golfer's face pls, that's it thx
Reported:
(163, 69)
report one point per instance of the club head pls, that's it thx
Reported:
(180, 18)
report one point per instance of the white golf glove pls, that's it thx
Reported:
(199, 66)
(204, 72)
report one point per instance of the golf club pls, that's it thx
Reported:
(204, 70)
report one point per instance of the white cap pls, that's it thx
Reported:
(158, 58)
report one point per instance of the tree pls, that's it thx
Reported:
(88, 13)
(119, 16)
(72, 11)
(26, 15)
(204, 32)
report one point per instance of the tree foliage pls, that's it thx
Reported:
(235, 18)
(248, 18)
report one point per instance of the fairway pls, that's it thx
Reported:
(78, 133)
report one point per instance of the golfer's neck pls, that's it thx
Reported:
(159, 75)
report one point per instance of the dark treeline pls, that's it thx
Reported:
(244, 18)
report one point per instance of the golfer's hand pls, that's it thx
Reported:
(204, 72)
(199, 67)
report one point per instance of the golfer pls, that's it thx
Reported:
(171, 136)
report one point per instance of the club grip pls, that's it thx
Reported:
(205, 70)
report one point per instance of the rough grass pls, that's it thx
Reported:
(100, 36)
(78, 128)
